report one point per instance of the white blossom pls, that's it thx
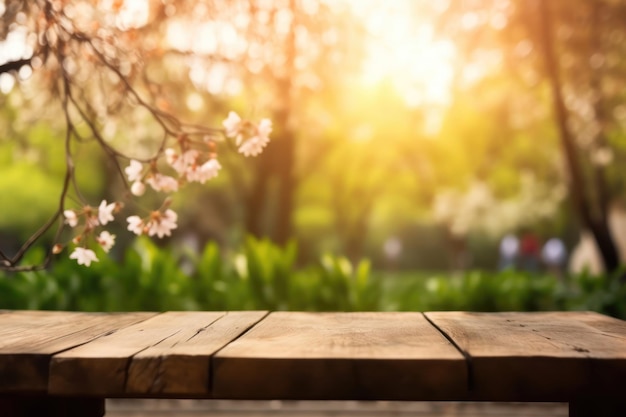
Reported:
(162, 224)
(265, 128)
(165, 183)
(188, 160)
(232, 124)
(106, 240)
(181, 163)
(91, 221)
(133, 171)
(191, 165)
(171, 156)
(70, 218)
(254, 145)
(105, 212)
(138, 188)
(135, 224)
(211, 168)
(204, 172)
(84, 256)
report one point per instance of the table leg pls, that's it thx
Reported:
(597, 408)
(51, 407)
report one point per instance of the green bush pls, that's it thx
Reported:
(482, 291)
(260, 276)
(263, 276)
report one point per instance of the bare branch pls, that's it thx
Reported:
(14, 65)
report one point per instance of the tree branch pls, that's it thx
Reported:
(14, 65)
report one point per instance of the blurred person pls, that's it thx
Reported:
(529, 252)
(509, 250)
(553, 255)
(393, 250)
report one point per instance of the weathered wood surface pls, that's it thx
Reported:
(578, 357)
(168, 353)
(340, 356)
(28, 339)
(180, 365)
(539, 356)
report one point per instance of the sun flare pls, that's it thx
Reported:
(405, 51)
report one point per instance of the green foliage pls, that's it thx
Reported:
(260, 276)
(265, 276)
(604, 293)
(40, 198)
(480, 291)
(32, 175)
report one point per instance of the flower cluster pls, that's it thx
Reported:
(187, 161)
(196, 160)
(160, 223)
(90, 219)
(250, 138)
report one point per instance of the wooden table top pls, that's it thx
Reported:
(552, 356)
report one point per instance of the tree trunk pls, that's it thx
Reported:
(256, 197)
(269, 205)
(283, 162)
(285, 147)
(595, 220)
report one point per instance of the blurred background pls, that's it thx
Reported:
(464, 154)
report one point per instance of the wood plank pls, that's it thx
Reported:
(101, 368)
(340, 356)
(28, 339)
(180, 365)
(552, 356)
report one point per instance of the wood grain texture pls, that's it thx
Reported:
(553, 356)
(180, 365)
(105, 366)
(356, 356)
(28, 339)
(578, 357)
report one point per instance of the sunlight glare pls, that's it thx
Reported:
(405, 51)
(129, 14)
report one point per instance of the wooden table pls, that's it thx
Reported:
(65, 364)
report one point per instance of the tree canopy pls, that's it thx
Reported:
(480, 117)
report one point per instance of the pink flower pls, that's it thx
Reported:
(105, 212)
(106, 240)
(133, 171)
(84, 256)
